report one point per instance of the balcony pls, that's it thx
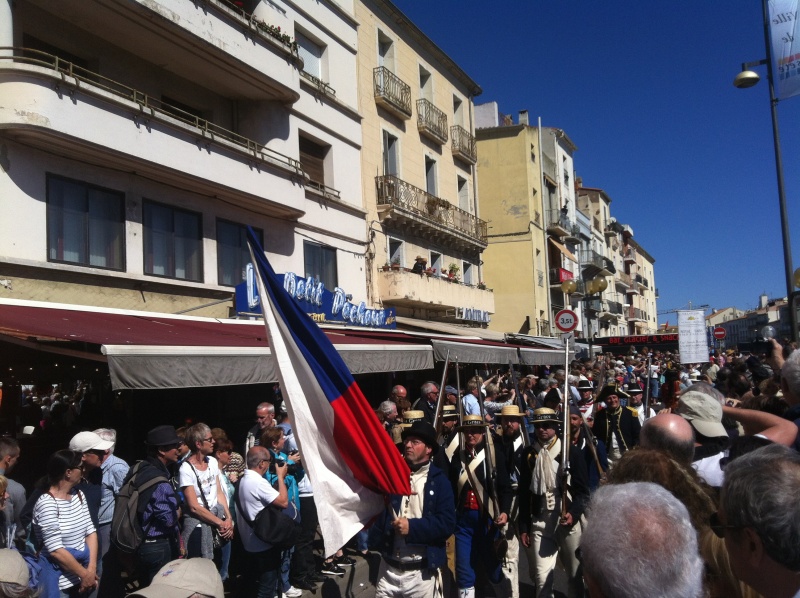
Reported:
(628, 254)
(613, 312)
(558, 222)
(65, 109)
(622, 280)
(431, 122)
(417, 212)
(463, 145)
(405, 288)
(391, 92)
(574, 233)
(559, 275)
(212, 42)
(593, 305)
(594, 263)
(634, 314)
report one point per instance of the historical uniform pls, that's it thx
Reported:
(541, 527)
(618, 427)
(479, 507)
(411, 560)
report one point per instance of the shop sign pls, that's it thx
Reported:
(472, 315)
(322, 305)
(564, 275)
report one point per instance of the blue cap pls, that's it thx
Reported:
(449, 390)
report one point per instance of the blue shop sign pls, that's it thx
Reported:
(322, 305)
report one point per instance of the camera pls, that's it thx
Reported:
(279, 462)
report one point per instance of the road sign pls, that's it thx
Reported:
(719, 333)
(566, 320)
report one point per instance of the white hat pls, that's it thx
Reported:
(89, 441)
(183, 578)
(13, 568)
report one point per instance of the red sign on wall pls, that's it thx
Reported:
(564, 275)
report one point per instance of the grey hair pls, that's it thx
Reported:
(268, 406)
(197, 433)
(387, 407)
(14, 590)
(659, 438)
(654, 526)
(255, 455)
(760, 492)
(573, 380)
(428, 387)
(790, 376)
(708, 389)
(109, 434)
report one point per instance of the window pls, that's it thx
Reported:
(85, 224)
(385, 51)
(467, 270)
(311, 53)
(233, 254)
(425, 84)
(320, 263)
(172, 242)
(458, 112)
(395, 251)
(436, 262)
(390, 148)
(430, 175)
(463, 193)
(312, 159)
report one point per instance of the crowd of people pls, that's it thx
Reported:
(691, 468)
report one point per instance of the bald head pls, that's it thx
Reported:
(669, 433)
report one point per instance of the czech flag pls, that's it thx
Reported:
(351, 461)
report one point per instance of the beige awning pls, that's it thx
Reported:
(562, 248)
(455, 329)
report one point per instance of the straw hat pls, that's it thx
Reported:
(545, 414)
(510, 411)
(472, 421)
(449, 412)
(411, 416)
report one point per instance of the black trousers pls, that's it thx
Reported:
(303, 563)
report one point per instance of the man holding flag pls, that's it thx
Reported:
(347, 454)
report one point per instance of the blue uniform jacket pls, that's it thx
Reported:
(438, 521)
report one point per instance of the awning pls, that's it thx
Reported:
(151, 350)
(562, 248)
(465, 351)
(541, 356)
(454, 329)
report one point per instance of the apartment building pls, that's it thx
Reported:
(420, 183)
(138, 139)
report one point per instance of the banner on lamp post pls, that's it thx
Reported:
(692, 336)
(784, 32)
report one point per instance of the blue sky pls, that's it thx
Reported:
(644, 89)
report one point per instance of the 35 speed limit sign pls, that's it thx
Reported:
(566, 320)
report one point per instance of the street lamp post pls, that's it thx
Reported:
(748, 78)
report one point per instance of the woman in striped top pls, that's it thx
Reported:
(65, 531)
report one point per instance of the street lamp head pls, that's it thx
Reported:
(746, 79)
(600, 284)
(569, 286)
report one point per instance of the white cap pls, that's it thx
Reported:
(88, 441)
(13, 568)
(183, 578)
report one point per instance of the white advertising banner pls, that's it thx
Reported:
(784, 31)
(692, 336)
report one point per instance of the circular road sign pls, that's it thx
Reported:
(719, 333)
(566, 320)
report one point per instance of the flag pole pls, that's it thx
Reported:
(565, 438)
(437, 420)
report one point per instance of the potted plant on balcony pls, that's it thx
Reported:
(430, 271)
(452, 272)
(396, 263)
(386, 267)
(482, 285)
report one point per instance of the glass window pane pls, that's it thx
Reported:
(187, 245)
(106, 229)
(157, 240)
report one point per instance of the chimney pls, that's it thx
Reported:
(763, 300)
(523, 117)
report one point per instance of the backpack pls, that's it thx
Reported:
(126, 527)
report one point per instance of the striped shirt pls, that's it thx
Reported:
(60, 523)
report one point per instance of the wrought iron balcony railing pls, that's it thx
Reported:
(623, 279)
(557, 222)
(431, 121)
(589, 257)
(629, 253)
(464, 145)
(615, 307)
(397, 192)
(634, 313)
(392, 92)
(148, 107)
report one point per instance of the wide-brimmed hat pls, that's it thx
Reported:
(545, 414)
(183, 578)
(411, 416)
(510, 411)
(449, 412)
(421, 258)
(612, 389)
(703, 412)
(472, 421)
(425, 432)
(634, 390)
(162, 436)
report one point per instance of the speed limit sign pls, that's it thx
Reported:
(566, 320)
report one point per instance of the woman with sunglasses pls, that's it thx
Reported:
(64, 529)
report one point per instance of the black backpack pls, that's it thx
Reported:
(126, 527)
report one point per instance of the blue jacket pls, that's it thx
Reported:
(437, 524)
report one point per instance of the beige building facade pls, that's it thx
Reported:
(420, 181)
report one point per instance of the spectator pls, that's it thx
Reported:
(223, 448)
(9, 455)
(184, 579)
(14, 576)
(114, 471)
(669, 433)
(265, 418)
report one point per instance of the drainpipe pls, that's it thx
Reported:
(544, 219)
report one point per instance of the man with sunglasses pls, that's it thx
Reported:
(543, 531)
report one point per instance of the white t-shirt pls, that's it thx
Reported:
(208, 480)
(255, 493)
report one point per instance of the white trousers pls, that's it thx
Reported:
(394, 583)
(551, 542)
(511, 563)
